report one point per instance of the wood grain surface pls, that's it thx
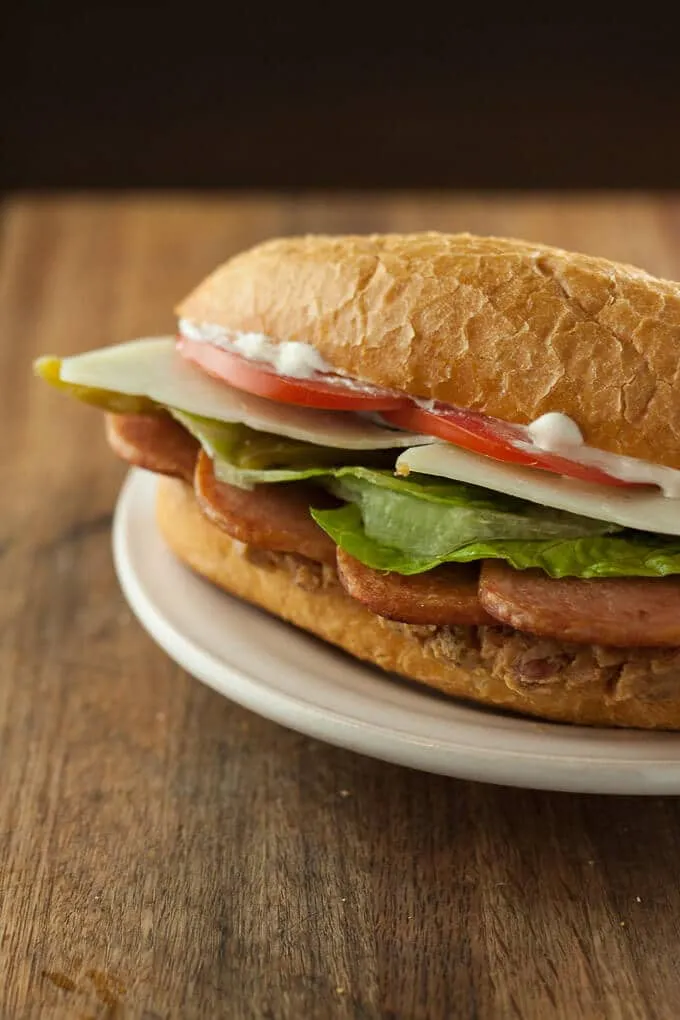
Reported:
(166, 854)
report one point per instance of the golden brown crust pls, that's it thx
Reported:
(507, 327)
(492, 665)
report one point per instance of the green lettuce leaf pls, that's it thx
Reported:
(245, 457)
(630, 554)
(430, 518)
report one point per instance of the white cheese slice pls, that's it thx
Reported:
(645, 509)
(152, 368)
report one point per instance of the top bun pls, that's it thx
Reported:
(509, 328)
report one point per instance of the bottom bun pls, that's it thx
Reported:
(493, 666)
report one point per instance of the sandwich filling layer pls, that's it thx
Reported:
(419, 530)
(551, 433)
(275, 517)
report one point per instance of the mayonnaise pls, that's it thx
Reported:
(558, 433)
(290, 357)
(555, 431)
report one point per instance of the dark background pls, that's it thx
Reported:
(337, 97)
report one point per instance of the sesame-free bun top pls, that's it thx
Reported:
(509, 328)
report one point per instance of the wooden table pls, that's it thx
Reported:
(164, 853)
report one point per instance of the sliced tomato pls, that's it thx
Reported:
(470, 430)
(494, 438)
(323, 391)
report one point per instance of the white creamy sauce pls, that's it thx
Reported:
(289, 357)
(554, 431)
(558, 433)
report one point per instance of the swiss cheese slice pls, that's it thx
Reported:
(152, 368)
(643, 508)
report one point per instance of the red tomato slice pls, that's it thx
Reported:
(321, 391)
(494, 438)
(468, 429)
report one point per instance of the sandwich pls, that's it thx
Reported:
(454, 457)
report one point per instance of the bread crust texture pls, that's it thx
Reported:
(494, 666)
(506, 327)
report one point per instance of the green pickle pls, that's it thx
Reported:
(49, 369)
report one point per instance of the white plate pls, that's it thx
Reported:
(285, 675)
